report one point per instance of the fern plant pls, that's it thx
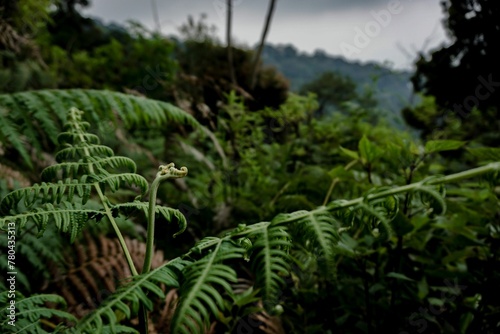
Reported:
(85, 168)
(30, 314)
(205, 275)
(35, 118)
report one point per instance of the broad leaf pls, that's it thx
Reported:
(433, 146)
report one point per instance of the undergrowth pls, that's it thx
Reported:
(77, 192)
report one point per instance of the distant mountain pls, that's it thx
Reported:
(392, 89)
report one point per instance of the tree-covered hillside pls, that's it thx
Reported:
(392, 89)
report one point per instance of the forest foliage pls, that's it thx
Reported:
(285, 206)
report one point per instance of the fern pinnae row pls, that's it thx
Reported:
(132, 291)
(75, 138)
(114, 181)
(318, 233)
(56, 106)
(67, 219)
(133, 110)
(163, 211)
(198, 292)
(33, 103)
(9, 134)
(270, 259)
(74, 153)
(29, 121)
(431, 192)
(75, 169)
(113, 162)
(46, 192)
(31, 309)
(379, 217)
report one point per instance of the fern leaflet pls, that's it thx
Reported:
(318, 233)
(29, 311)
(133, 292)
(198, 293)
(270, 260)
(43, 112)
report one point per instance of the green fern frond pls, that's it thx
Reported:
(75, 153)
(95, 170)
(35, 252)
(68, 218)
(38, 115)
(163, 211)
(10, 133)
(29, 311)
(18, 113)
(318, 232)
(133, 110)
(45, 193)
(65, 170)
(117, 181)
(198, 294)
(270, 261)
(380, 217)
(118, 329)
(69, 137)
(38, 252)
(434, 197)
(43, 112)
(204, 243)
(127, 298)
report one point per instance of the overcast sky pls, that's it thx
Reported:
(367, 30)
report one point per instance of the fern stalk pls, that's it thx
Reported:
(338, 205)
(103, 199)
(165, 172)
(491, 167)
(126, 252)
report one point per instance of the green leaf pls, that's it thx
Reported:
(349, 153)
(433, 146)
(436, 301)
(368, 151)
(465, 321)
(486, 153)
(423, 288)
(399, 276)
(340, 172)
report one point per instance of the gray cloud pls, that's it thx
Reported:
(309, 25)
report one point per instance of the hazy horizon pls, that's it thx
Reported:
(358, 30)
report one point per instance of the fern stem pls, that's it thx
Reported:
(80, 130)
(119, 234)
(165, 172)
(495, 166)
(491, 167)
(336, 180)
(151, 225)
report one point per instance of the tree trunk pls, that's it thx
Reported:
(229, 46)
(155, 16)
(262, 41)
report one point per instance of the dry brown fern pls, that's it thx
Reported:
(161, 318)
(266, 323)
(270, 324)
(93, 270)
